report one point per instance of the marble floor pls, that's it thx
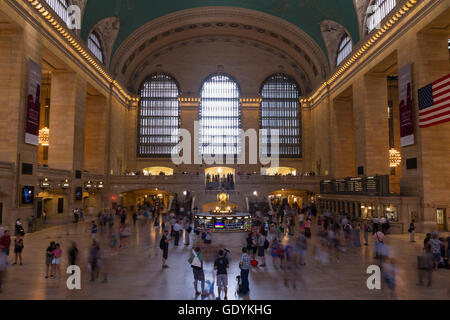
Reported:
(135, 272)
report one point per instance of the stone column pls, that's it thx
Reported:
(95, 135)
(342, 138)
(67, 121)
(371, 125)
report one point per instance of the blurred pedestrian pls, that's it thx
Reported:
(412, 231)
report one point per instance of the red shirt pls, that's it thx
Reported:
(5, 242)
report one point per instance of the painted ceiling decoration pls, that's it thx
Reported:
(305, 14)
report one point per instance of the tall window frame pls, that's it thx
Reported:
(281, 110)
(381, 9)
(158, 117)
(220, 116)
(95, 45)
(344, 49)
(60, 7)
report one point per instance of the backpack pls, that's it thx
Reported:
(162, 244)
(266, 244)
(203, 235)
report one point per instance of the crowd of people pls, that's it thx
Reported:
(281, 236)
(218, 182)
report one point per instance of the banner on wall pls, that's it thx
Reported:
(33, 104)
(405, 88)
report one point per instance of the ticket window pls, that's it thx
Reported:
(391, 214)
(441, 219)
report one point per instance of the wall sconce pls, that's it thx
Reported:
(65, 184)
(45, 184)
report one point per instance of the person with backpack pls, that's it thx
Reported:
(263, 245)
(164, 246)
(221, 265)
(196, 262)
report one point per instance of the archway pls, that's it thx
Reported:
(280, 171)
(157, 171)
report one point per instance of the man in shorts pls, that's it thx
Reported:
(221, 265)
(196, 262)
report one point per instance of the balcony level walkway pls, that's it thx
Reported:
(136, 273)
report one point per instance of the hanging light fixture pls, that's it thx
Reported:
(395, 158)
(44, 137)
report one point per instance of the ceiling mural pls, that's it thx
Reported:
(305, 14)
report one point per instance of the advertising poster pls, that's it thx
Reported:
(33, 104)
(405, 88)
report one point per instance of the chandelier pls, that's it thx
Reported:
(44, 137)
(395, 158)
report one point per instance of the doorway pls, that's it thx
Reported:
(441, 219)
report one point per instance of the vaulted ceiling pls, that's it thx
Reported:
(305, 14)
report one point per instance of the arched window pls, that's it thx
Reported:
(280, 110)
(95, 46)
(220, 116)
(60, 7)
(159, 117)
(377, 11)
(345, 48)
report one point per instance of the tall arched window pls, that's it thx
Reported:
(159, 117)
(60, 7)
(220, 116)
(345, 48)
(377, 11)
(280, 110)
(95, 45)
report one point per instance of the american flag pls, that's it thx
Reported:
(434, 103)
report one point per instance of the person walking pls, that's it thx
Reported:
(196, 262)
(73, 254)
(176, 232)
(412, 231)
(244, 265)
(425, 266)
(379, 244)
(187, 232)
(94, 260)
(164, 246)
(5, 243)
(49, 259)
(367, 231)
(263, 244)
(18, 248)
(93, 230)
(221, 265)
(3, 267)
(435, 245)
